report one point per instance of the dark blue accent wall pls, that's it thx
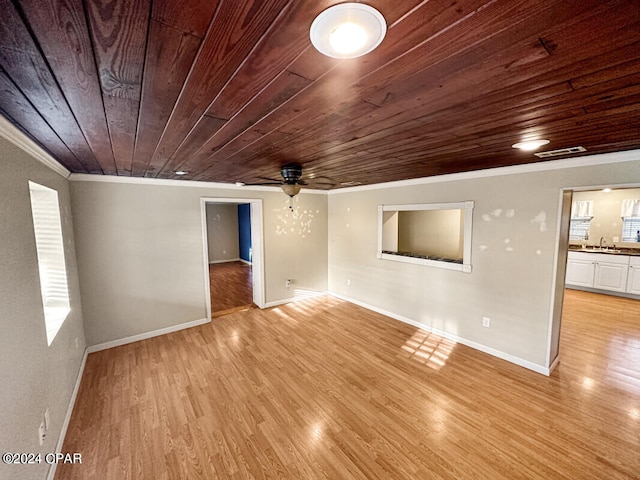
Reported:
(244, 231)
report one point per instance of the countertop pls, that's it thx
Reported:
(607, 250)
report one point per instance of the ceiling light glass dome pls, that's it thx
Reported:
(348, 30)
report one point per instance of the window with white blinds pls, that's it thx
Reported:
(630, 229)
(47, 227)
(579, 228)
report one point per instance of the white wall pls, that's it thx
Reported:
(33, 376)
(437, 233)
(222, 232)
(513, 256)
(140, 251)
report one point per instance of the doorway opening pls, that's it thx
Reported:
(596, 264)
(233, 251)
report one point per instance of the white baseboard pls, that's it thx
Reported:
(67, 417)
(144, 336)
(554, 364)
(226, 261)
(244, 261)
(296, 298)
(478, 346)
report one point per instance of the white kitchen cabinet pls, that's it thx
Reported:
(633, 281)
(601, 271)
(580, 269)
(611, 276)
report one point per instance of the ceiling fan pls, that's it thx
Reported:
(291, 182)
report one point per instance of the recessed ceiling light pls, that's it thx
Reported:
(348, 30)
(181, 172)
(530, 145)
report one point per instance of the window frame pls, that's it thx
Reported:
(585, 219)
(466, 206)
(52, 266)
(632, 224)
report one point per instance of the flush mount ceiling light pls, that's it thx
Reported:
(181, 172)
(348, 30)
(530, 145)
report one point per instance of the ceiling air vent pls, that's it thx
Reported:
(562, 151)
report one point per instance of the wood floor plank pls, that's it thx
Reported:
(231, 287)
(323, 389)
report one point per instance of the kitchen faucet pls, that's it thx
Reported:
(603, 240)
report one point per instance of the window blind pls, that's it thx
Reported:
(52, 268)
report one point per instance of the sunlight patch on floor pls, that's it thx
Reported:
(429, 349)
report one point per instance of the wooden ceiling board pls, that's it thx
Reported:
(234, 31)
(230, 90)
(169, 56)
(23, 63)
(259, 71)
(21, 112)
(119, 34)
(60, 28)
(336, 92)
(433, 79)
(312, 133)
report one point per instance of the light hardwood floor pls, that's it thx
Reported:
(325, 389)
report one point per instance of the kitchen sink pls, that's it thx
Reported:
(599, 250)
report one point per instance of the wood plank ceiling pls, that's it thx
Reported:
(231, 90)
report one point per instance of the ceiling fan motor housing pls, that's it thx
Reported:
(291, 173)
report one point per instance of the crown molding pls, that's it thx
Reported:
(24, 143)
(583, 161)
(168, 182)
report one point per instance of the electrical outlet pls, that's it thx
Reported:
(348, 281)
(288, 283)
(42, 432)
(47, 420)
(77, 344)
(616, 239)
(486, 322)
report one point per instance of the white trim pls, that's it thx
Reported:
(225, 261)
(466, 206)
(306, 296)
(205, 250)
(582, 161)
(256, 217)
(24, 143)
(483, 348)
(169, 182)
(458, 267)
(67, 417)
(244, 261)
(554, 279)
(146, 335)
(553, 366)
(428, 206)
(257, 246)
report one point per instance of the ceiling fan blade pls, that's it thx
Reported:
(269, 179)
(323, 181)
(264, 184)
